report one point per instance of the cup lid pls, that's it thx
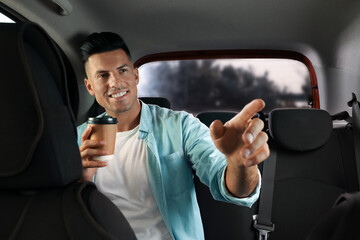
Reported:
(102, 120)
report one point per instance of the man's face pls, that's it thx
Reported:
(113, 80)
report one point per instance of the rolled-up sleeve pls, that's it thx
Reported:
(209, 163)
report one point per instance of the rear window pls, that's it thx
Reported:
(227, 84)
(5, 19)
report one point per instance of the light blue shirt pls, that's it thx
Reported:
(177, 143)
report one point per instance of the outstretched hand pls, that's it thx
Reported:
(241, 138)
(244, 145)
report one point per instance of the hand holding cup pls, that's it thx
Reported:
(98, 143)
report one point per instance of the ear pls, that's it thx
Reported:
(136, 72)
(89, 86)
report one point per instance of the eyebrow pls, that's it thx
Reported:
(105, 71)
(122, 66)
(100, 71)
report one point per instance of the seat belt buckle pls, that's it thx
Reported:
(263, 230)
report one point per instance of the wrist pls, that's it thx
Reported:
(241, 181)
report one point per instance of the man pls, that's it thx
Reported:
(150, 177)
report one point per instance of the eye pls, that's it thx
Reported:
(102, 76)
(122, 70)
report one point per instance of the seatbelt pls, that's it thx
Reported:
(262, 221)
(354, 104)
(344, 115)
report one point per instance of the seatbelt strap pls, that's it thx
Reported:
(354, 104)
(262, 221)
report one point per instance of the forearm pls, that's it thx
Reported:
(241, 181)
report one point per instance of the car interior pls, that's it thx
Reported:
(183, 49)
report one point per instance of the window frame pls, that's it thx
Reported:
(237, 54)
(10, 13)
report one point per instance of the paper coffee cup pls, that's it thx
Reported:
(104, 129)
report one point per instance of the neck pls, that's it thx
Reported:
(129, 119)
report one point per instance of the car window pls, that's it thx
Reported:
(5, 19)
(227, 84)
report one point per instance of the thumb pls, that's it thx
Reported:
(217, 129)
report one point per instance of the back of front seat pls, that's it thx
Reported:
(40, 164)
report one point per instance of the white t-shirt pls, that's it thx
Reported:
(125, 182)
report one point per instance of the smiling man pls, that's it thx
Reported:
(113, 80)
(150, 177)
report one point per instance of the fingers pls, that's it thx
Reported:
(257, 151)
(241, 139)
(90, 148)
(259, 157)
(217, 129)
(254, 127)
(89, 152)
(91, 144)
(86, 157)
(241, 119)
(86, 133)
(93, 164)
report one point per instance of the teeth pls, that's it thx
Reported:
(120, 94)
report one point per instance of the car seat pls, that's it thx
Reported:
(209, 116)
(40, 196)
(314, 165)
(341, 222)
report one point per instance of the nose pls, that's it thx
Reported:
(114, 80)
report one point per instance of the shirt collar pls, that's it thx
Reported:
(146, 122)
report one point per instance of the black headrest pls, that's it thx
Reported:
(208, 117)
(300, 129)
(160, 101)
(38, 130)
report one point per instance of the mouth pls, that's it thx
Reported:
(117, 95)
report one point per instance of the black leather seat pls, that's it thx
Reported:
(160, 101)
(314, 165)
(208, 117)
(341, 222)
(40, 197)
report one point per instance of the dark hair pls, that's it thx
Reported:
(102, 42)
